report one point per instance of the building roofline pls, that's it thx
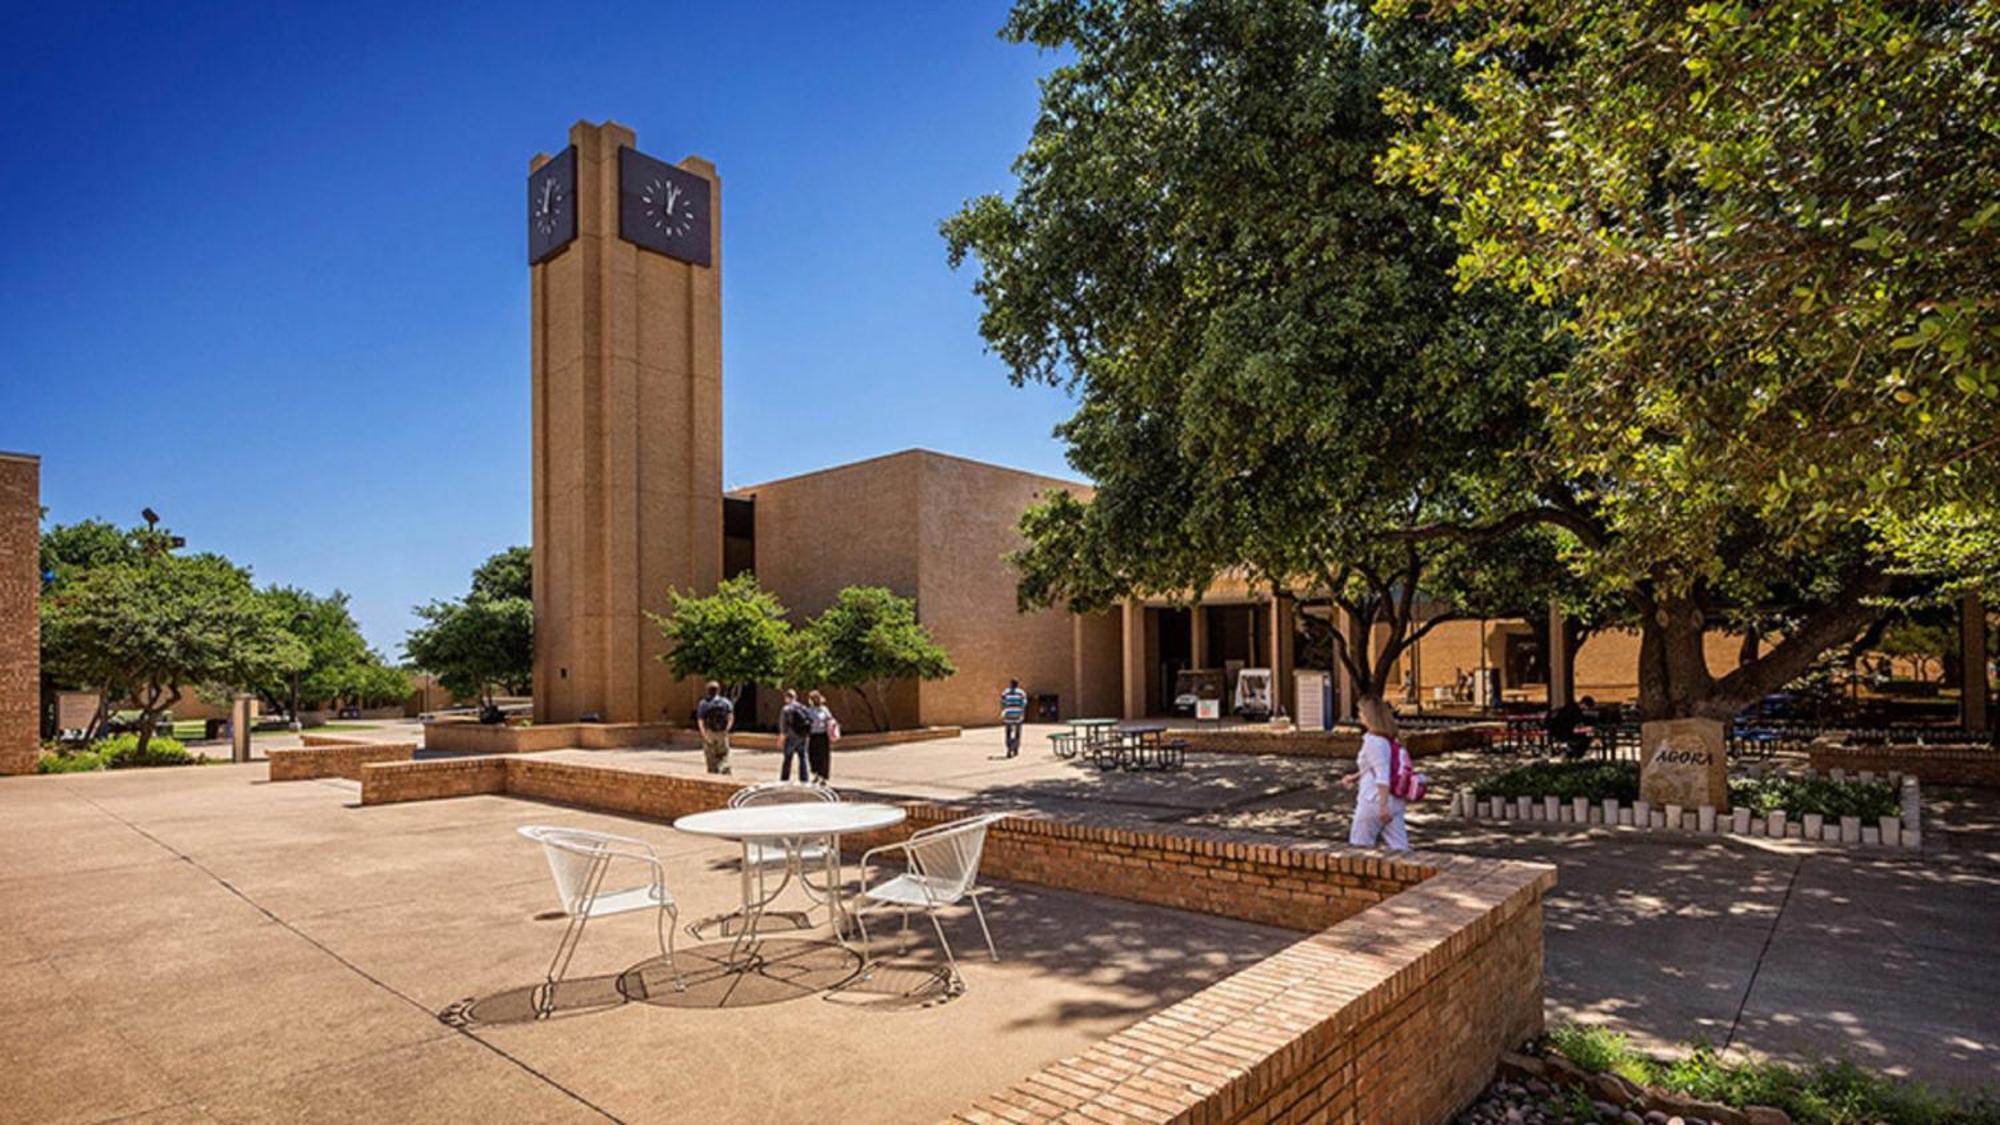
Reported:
(913, 451)
(9, 455)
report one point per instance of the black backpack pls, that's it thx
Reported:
(797, 721)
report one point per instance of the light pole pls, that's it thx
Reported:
(299, 621)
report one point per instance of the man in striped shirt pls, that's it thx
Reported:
(1013, 712)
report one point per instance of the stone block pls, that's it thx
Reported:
(1850, 829)
(1814, 823)
(1683, 762)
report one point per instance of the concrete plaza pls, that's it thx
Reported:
(201, 944)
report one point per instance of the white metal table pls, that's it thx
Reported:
(790, 827)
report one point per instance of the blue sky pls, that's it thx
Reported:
(264, 267)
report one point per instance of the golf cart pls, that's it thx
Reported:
(1253, 694)
(1194, 685)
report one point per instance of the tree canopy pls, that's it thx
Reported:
(736, 636)
(1272, 359)
(1771, 233)
(476, 646)
(869, 638)
(151, 628)
(508, 574)
(332, 661)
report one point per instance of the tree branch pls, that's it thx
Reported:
(1570, 520)
(1837, 622)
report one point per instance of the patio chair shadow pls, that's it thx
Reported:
(769, 971)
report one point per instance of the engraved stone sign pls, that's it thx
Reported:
(1683, 762)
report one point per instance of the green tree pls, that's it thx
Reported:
(1274, 364)
(147, 630)
(334, 661)
(1773, 234)
(476, 646)
(736, 636)
(509, 574)
(71, 549)
(869, 638)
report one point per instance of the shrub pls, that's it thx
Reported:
(1826, 1093)
(1567, 780)
(122, 752)
(1824, 796)
(68, 761)
(1597, 781)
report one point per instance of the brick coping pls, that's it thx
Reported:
(1289, 1031)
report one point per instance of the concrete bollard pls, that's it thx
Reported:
(1891, 829)
(1774, 824)
(1524, 808)
(1674, 817)
(1871, 836)
(1850, 829)
(1611, 810)
(1814, 822)
(1642, 814)
(1704, 819)
(1625, 814)
(1552, 809)
(1580, 810)
(1739, 821)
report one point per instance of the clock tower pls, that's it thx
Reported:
(625, 256)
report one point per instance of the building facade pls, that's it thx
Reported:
(20, 613)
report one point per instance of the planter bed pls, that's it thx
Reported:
(1903, 830)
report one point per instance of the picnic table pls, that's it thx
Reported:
(1083, 734)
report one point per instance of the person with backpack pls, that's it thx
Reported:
(1383, 782)
(795, 724)
(824, 732)
(1013, 713)
(716, 717)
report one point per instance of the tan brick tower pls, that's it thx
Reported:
(627, 432)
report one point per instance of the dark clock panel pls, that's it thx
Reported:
(663, 208)
(552, 207)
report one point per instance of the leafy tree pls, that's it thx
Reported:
(736, 636)
(1771, 233)
(144, 630)
(870, 637)
(476, 646)
(509, 574)
(1274, 363)
(334, 662)
(70, 549)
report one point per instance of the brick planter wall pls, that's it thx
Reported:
(465, 736)
(1939, 765)
(1418, 972)
(333, 759)
(1343, 744)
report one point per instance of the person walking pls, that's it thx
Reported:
(1378, 814)
(823, 733)
(1013, 713)
(795, 723)
(716, 717)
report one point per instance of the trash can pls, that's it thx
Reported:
(1048, 708)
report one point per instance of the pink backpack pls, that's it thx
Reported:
(1405, 782)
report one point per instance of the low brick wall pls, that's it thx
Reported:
(1418, 971)
(327, 758)
(466, 736)
(1932, 765)
(758, 740)
(1324, 744)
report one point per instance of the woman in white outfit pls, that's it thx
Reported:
(1378, 817)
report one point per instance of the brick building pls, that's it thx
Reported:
(20, 620)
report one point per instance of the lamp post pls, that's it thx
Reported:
(299, 621)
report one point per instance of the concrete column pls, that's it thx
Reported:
(1198, 635)
(1073, 704)
(1559, 677)
(1285, 692)
(1133, 618)
(1973, 710)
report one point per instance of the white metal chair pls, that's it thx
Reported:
(805, 850)
(940, 868)
(579, 861)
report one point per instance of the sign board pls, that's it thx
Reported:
(1683, 762)
(1208, 710)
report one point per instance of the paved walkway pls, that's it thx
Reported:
(1772, 947)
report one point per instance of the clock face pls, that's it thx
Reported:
(552, 207)
(663, 208)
